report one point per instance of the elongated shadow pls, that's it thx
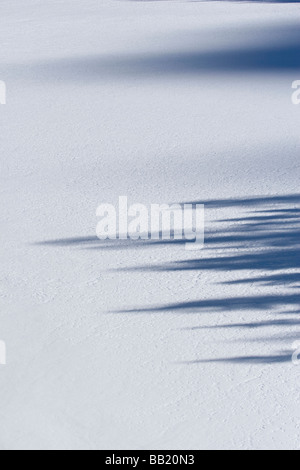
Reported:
(264, 239)
(228, 304)
(259, 50)
(252, 325)
(284, 357)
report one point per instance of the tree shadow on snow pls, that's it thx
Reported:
(258, 247)
(223, 50)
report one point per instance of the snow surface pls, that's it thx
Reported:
(139, 345)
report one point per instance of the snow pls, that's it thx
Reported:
(140, 345)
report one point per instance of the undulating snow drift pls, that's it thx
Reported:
(144, 345)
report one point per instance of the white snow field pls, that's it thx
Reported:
(139, 344)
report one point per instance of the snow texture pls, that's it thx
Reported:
(144, 345)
